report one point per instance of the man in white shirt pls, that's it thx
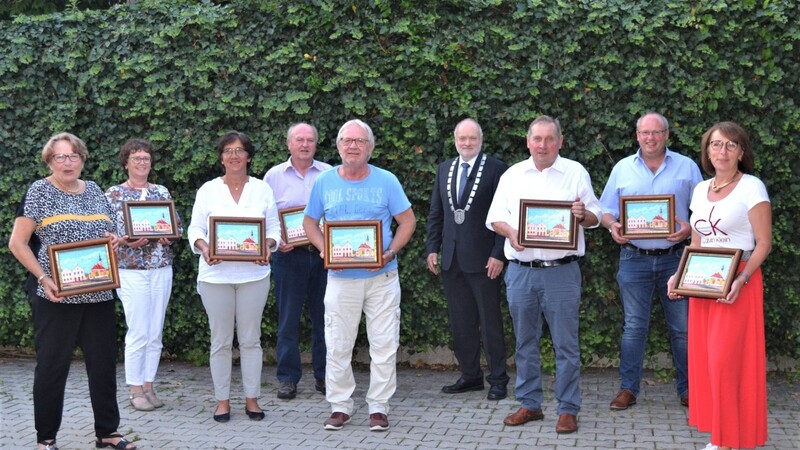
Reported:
(544, 283)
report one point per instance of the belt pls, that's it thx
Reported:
(539, 264)
(308, 248)
(655, 251)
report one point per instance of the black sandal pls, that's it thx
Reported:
(121, 445)
(49, 444)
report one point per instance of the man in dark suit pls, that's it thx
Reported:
(472, 260)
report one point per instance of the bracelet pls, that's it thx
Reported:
(745, 275)
(39, 280)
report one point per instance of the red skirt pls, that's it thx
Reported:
(728, 368)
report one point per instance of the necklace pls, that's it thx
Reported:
(231, 185)
(717, 187)
(60, 186)
(459, 215)
(130, 185)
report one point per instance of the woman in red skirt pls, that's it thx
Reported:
(727, 355)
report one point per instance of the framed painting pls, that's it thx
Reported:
(707, 272)
(647, 216)
(292, 231)
(353, 244)
(150, 219)
(83, 267)
(237, 238)
(547, 224)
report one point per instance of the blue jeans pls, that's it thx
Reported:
(299, 278)
(552, 294)
(639, 277)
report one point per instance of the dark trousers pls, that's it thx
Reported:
(58, 329)
(300, 279)
(473, 306)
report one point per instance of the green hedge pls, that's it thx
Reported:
(181, 73)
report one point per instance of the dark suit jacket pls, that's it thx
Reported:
(471, 241)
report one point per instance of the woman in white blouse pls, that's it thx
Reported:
(234, 292)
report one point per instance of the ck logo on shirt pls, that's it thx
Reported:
(710, 229)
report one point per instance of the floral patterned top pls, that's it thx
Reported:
(151, 255)
(61, 217)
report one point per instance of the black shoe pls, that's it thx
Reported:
(255, 415)
(497, 392)
(462, 386)
(222, 418)
(287, 390)
(319, 385)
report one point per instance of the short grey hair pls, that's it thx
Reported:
(662, 119)
(480, 131)
(295, 125)
(545, 119)
(364, 126)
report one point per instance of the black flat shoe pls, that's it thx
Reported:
(222, 418)
(497, 392)
(254, 415)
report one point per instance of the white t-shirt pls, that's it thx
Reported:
(724, 223)
(565, 180)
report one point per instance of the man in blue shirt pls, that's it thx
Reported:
(357, 190)
(645, 265)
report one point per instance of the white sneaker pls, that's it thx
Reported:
(711, 447)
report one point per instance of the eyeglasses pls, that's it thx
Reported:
(140, 159)
(61, 157)
(234, 151)
(731, 146)
(347, 142)
(650, 133)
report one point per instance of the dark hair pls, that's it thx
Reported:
(232, 136)
(134, 145)
(735, 133)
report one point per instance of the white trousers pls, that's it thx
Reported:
(144, 295)
(379, 298)
(240, 306)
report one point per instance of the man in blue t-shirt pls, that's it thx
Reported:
(645, 265)
(357, 190)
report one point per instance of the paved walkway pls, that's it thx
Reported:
(421, 416)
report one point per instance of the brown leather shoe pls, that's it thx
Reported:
(685, 401)
(567, 423)
(624, 400)
(522, 416)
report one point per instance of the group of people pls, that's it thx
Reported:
(718, 346)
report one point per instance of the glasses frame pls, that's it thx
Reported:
(73, 157)
(360, 142)
(648, 133)
(234, 151)
(726, 144)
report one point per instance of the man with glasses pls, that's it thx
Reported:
(645, 265)
(357, 190)
(298, 272)
(472, 260)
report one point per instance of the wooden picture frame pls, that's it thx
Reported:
(547, 224)
(707, 272)
(237, 238)
(84, 266)
(292, 231)
(150, 219)
(353, 244)
(642, 216)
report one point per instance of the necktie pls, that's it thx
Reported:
(463, 183)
